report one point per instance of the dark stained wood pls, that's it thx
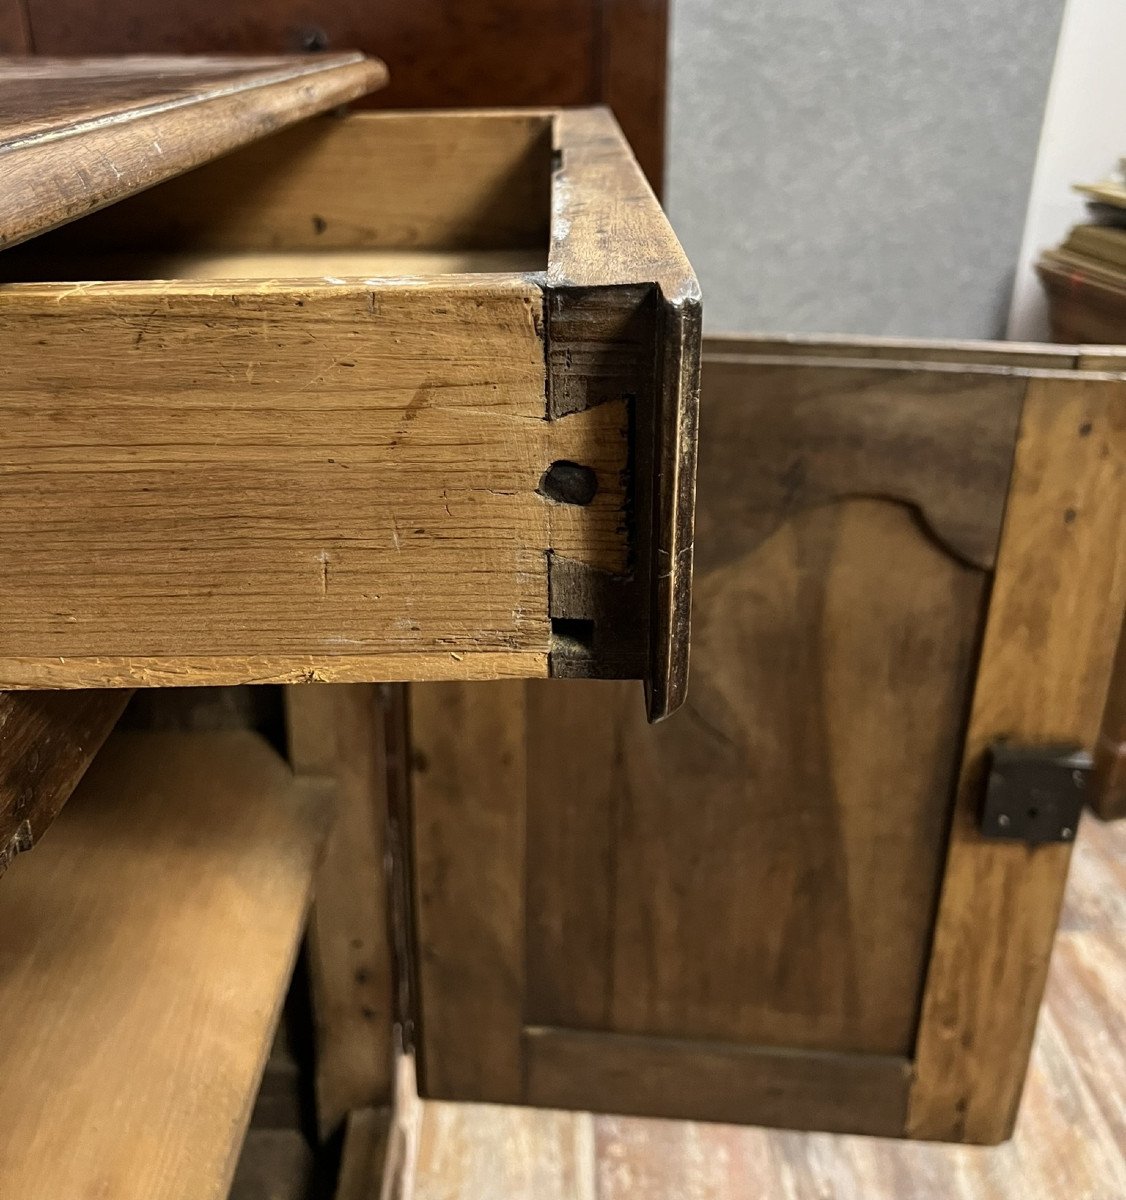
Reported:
(78, 135)
(607, 228)
(335, 735)
(47, 740)
(633, 57)
(763, 870)
(652, 851)
(1068, 1142)
(1054, 617)
(15, 33)
(756, 881)
(940, 441)
(469, 759)
(492, 52)
(660, 1077)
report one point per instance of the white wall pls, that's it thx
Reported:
(856, 167)
(1084, 135)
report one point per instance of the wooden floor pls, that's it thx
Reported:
(1070, 1142)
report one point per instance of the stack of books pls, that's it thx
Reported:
(1086, 275)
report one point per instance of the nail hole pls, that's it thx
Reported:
(568, 482)
(312, 39)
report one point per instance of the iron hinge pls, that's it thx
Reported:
(1034, 794)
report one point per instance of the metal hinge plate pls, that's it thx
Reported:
(1034, 794)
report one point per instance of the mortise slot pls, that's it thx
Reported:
(577, 630)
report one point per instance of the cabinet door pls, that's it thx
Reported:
(776, 907)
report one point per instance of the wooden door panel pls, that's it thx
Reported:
(823, 720)
(732, 915)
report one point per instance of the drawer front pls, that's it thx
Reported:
(388, 397)
(777, 908)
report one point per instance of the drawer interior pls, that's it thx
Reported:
(351, 195)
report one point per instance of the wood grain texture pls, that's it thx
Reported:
(335, 735)
(1108, 791)
(762, 872)
(1108, 788)
(47, 740)
(1055, 613)
(792, 787)
(608, 229)
(1068, 1141)
(635, 429)
(15, 33)
(939, 439)
(146, 948)
(212, 411)
(660, 1077)
(76, 136)
(411, 181)
(469, 887)
(492, 53)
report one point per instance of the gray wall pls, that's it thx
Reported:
(856, 168)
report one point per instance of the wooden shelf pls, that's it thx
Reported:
(47, 740)
(145, 950)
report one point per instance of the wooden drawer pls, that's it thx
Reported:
(382, 397)
(780, 907)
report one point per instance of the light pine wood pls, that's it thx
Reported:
(1068, 1141)
(76, 135)
(336, 735)
(367, 369)
(1054, 616)
(262, 264)
(145, 949)
(295, 455)
(1108, 788)
(407, 181)
(47, 740)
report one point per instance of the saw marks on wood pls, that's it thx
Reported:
(1070, 1139)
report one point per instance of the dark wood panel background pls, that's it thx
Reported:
(728, 915)
(491, 52)
(14, 37)
(763, 870)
